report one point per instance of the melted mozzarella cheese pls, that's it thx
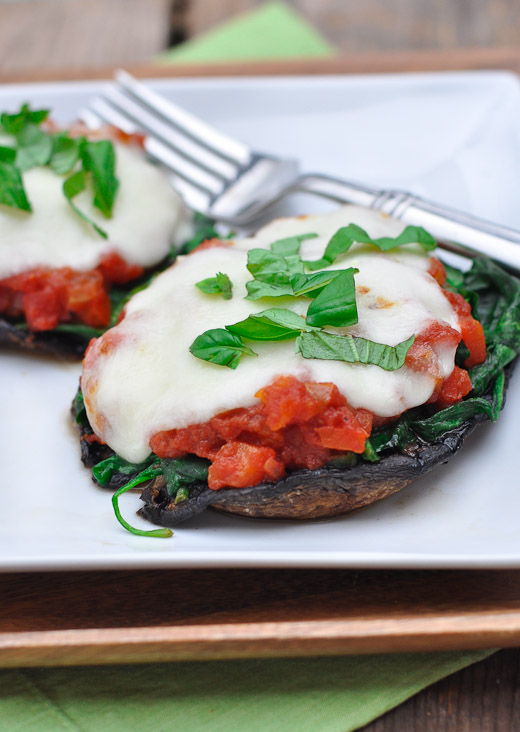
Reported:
(148, 217)
(140, 377)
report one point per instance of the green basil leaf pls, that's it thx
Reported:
(218, 285)
(274, 271)
(13, 123)
(257, 289)
(100, 160)
(343, 239)
(221, 347)
(336, 303)
(275, 324)
(7, 154)
(310, 285)
(290, 245)
(12, 192)
(65, 153)
(34, 147)
(225, 285)
(272, 268)
(351, 349)
(74, 185)
(410, 235)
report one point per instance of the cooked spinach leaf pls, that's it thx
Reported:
(180, 473)
(496, 294)
(104, 470)
(146, 475)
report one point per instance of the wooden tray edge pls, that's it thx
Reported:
(380, 62)
(259, 640)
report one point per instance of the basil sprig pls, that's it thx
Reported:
(345, 237)
(221, 347)
(218, 285)
(12, 124)
(82, 159)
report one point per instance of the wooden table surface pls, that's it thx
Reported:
(60, 39)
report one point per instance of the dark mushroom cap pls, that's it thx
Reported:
(310, 494)
(66, 345)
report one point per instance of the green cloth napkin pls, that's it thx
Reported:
(272, 31)
(336, 694)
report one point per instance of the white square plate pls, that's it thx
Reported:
(454, 138)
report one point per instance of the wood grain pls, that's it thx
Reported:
(70, 34)
(109, 617)
(377, 25)
(484, 697)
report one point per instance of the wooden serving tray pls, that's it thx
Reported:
(97, 617)
(93, 617)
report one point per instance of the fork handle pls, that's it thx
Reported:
(454, 230)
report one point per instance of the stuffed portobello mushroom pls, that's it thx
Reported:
(302, 373)
(84, 218)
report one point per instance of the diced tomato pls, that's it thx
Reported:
(198, 439)
(229, 425)
(289, 401)
(115, 270)
(475, 341)
(437, 271)
(471, 330)
(47, 297)
(342, 431)
(42, 308)
(422, 356)
(456, 386)
(238, 465)
(85, 297)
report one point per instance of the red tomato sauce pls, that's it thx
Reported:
(46, 297)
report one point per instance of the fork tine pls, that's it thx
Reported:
(187, 123)
(179, 165)
(181, 144)
(194, 197)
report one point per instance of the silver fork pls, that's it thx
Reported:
(225, 180)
